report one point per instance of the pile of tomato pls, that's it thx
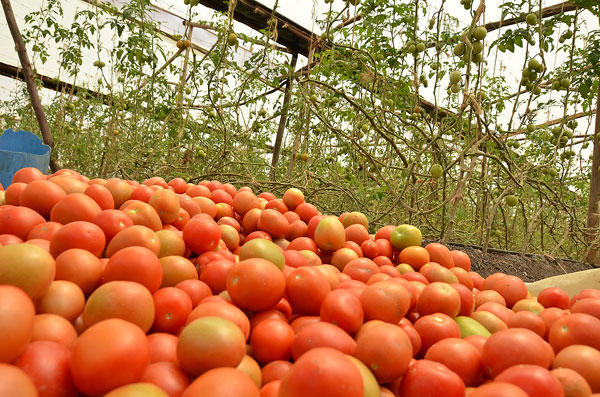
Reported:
(119, 288)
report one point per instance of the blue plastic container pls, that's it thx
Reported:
(19, 150)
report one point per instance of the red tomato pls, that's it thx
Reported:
(219, 382)
(107, 355)
(321, 334)
(306, 289)
(460, 356)
(498, 389)
(554, 297)
(439, 253)
(163, 347)
(529, 320)
(16, 316)
(435, 327)
(386, 350)
(322, 371)
(251, 275)
(572, 382)
(112, 222)
(196, 289)
(586, 293)
(101, 195)
(214, 274)
(275, 370)
(167, 376)
(80, 267)
(575, 329)
(512, 289)
(439, 297)
(361, 269)
(137, 264)
(271, 340)
(514, 346)
(126, 300)
(536, 381)
(75, 207)
(201, 234)
(53, 328)
(15, 382)
(78, 234)
(41, 196)
(64, 298)
(589, 306)
(136, 235)
(44, 231)
(427, 378)
(47, 364)
(172, 306)
(461, 260)
(583, 359)
(342, 308)
(466, 299)
(19, 221)
(388, 301)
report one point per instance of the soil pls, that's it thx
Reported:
(528, 267)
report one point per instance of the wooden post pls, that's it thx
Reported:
(29, 80)
(283, 117)
(592, 215)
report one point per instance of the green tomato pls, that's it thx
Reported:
(479, 33)
(531, 19)
(511, 200)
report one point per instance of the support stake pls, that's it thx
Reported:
(29, 80)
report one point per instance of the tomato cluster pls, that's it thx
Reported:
(112, 287)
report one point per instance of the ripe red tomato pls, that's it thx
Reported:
(107, 355)
(554, 297)
(78, 234)
(53, 328)
(514, 346)
(126, 300)
(306, 289)
(137, 264)
(386, 350)
(75, 207)
(439, 297)
(167, 376)
(498, 389)
(201, 234)
(251, 275)
(163, 347)
(388, 301)
(15, 382)
(19, 221)
(271, 340)
(219, 382)
(435, 327)
(172, 306)
(321, 334)
(536, 381)
(16, 316)
(275, 370)
(342, 308)
(47, 364)
(575, 329)
(322, 371)
(583, 359)
(459, 356)
(426, 378)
